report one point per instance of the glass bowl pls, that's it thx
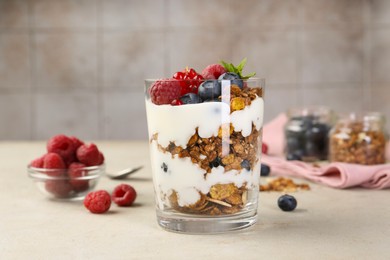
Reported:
(61, 184)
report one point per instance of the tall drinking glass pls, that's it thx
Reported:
(205, 158)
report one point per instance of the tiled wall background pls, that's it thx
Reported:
(77, 66)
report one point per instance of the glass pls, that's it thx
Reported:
(205, 158)
(58, 184)
(306, 133)
(359, 139)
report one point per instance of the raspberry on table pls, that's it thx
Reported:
(213, 71)
(75, 171)
(59, 188)
(164, 91)
(88, 154)
(98, 201)
(62, 145)
(124, 195)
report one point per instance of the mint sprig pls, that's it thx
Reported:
(237, 69)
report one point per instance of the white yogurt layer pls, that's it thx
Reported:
(177, 124)
(187, 178)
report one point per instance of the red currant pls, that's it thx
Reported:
(189, 80)
(177, 102)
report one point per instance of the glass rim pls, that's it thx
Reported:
(180, 80)
(41, 173)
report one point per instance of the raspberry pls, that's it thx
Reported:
(59, 188)
(76, 142)
(164, 91)
(213, 71)
(76, 171)
(264, 148)
(98, 201)
(53, 161)
(88, 154)
(62, 145)
(124, 195)
(38, 162)
(101, 158)
(189, 81)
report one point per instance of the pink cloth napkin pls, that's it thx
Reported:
(337, 175)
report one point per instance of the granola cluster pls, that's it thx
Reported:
(355, 144)
(284, 185)
(230, 150)
(221, 199)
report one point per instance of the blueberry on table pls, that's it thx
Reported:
(190, 98)
(209, 90)
(287, 202)
(233, 77)
(265, 170)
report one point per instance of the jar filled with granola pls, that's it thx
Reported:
(359, 139)
(306, 133)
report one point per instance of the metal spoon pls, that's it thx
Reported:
(123, 173)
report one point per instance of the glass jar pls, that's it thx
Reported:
(306, 133)
(359, 139)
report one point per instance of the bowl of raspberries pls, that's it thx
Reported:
(69, 169)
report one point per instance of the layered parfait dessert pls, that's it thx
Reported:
(205, 140)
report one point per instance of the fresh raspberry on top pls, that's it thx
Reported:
(164, 91)
(88, 154)
(38, 162)
(124, 195)
(98, 201)
(54, 161)
(62, 145)
(213, 71)
(75, 171)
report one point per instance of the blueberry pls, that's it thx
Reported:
(265, 170)
(190, 98)
(164, 167)
(245, 164)
(287, 202)
(293, 144)
(217, 162)
(209, 90)
(296, 155)
(312, 149)
(317, 132)
(233, 77)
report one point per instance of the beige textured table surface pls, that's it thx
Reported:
(328, 223)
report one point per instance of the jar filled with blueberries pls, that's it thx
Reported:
(306, 133)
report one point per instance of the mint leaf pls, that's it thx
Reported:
(250, 75)
(241, 66)
(237, 69)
